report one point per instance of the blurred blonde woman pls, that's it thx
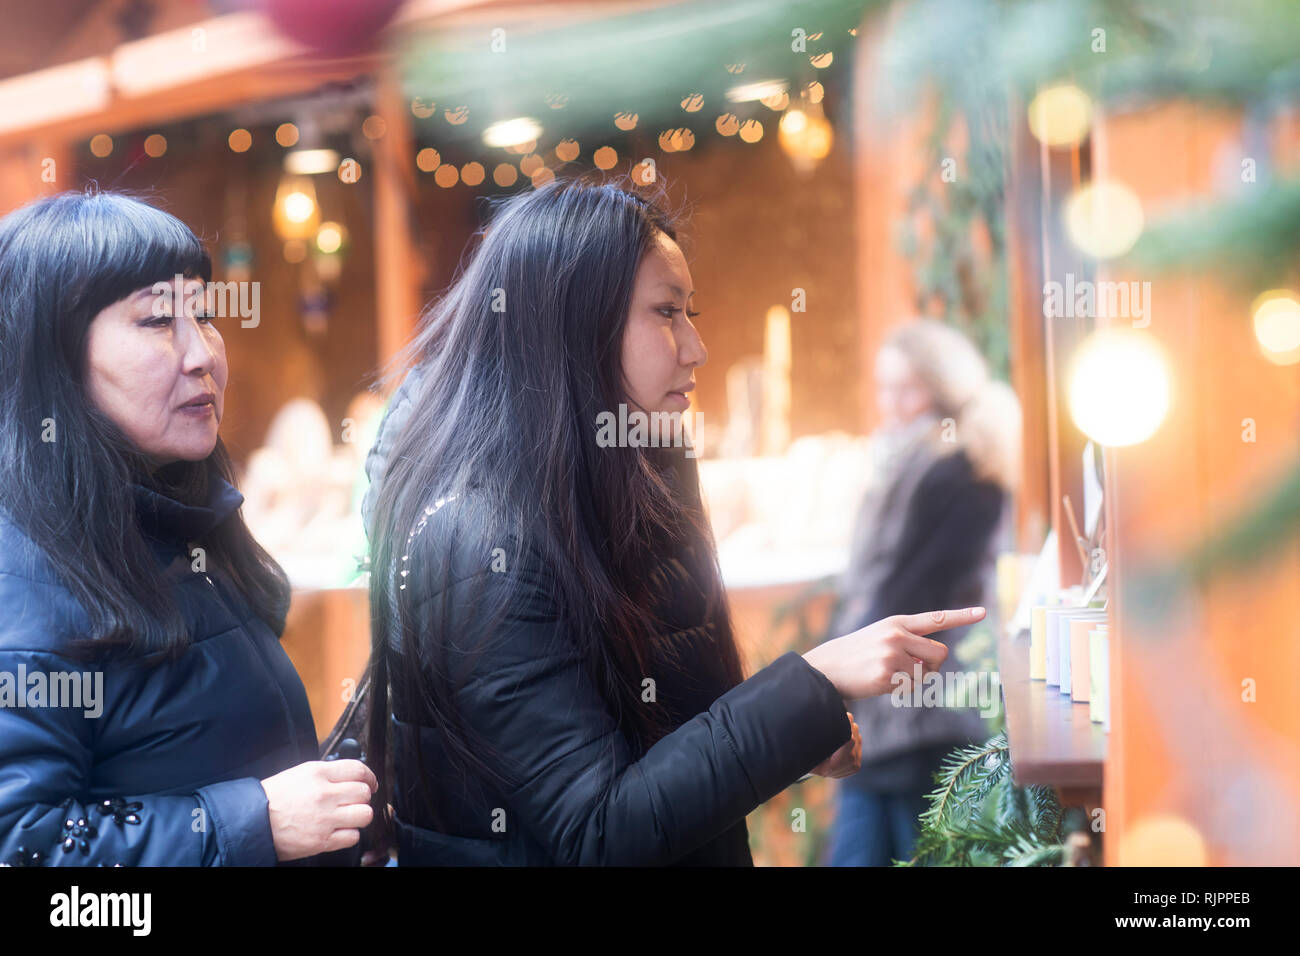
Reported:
(946, 458)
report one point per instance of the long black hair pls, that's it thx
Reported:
(518, 358)
(63, 259)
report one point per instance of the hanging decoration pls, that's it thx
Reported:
(331, 26)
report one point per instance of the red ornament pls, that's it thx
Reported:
(331, 26)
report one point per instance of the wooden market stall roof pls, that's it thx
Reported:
(194, 66)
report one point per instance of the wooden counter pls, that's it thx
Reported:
(1053, 742)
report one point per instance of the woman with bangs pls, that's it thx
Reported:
(128, 576)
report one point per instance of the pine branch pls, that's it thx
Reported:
(978, 817)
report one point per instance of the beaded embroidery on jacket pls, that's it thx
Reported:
(429, 512)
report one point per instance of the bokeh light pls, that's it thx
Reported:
(350, 170)
(605, 157)
(1060, 115)
(298, 207)
(751, 131)
(512, 132)
(1162, 840)
(427, 159)
(1119, 387)
(1277, 326)
(471, 174)
(329, 237)
(505, 174)
(806, 137)
(1104, 219)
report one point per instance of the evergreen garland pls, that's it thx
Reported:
(979, 817)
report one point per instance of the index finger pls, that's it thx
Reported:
(930, 621)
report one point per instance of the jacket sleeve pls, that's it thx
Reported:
(950, 521)
(46, 757)
(579, 792)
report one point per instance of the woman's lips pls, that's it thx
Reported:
(199, 409)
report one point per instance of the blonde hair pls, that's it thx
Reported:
(986, 412)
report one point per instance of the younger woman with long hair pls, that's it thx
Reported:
(555, 675)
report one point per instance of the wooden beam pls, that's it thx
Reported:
(888, 160)
(397, 284)
(1026, 333)
(1062, 171)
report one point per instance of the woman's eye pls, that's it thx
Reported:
(667, 311)
(206, 317)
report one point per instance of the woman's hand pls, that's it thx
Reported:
(863, 664)
(846, 761)
(318, 807)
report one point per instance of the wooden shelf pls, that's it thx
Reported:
(1053, 742)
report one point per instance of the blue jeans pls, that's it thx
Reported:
(873, 829)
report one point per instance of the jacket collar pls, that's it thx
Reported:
(166, 518)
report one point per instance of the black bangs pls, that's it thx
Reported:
(130, 246)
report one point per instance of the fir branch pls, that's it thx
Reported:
(978, 817)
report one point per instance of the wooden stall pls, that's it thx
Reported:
(1200, 766)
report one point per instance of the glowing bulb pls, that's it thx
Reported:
(1060, 115)
(310, 162)
(1277, 326)
(512, 132)
(805, 137)
(298, 207)
(329, 238)
(1104, 219)
(1119, 387)
(749, 92)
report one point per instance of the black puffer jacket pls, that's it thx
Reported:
(587, 796)
(168, 771)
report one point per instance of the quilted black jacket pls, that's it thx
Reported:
(585, 796)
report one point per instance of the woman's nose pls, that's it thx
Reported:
(692, 351)
(199, 355)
